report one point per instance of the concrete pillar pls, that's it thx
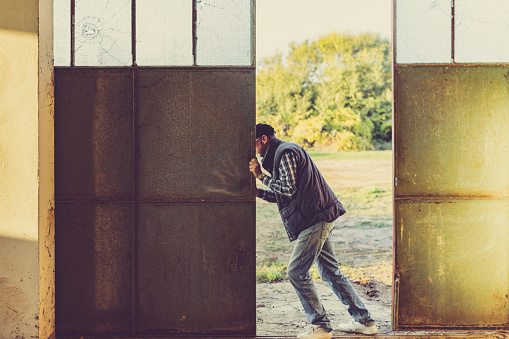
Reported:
(27, 282)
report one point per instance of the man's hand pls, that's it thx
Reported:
(254, 167)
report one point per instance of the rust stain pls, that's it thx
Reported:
(451, 162)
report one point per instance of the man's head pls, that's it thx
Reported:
(264, 134)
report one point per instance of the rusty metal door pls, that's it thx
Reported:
(451, 166)
(155, 208)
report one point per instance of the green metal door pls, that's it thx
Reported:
(451, 166)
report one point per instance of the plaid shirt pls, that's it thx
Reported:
(286, 184)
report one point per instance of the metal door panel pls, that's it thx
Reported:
(155, 206)
(451, 151)
(93, 143)
(452, 132)
(194, 268)
(94, 268)
(452, 263)
(192, 130)
(194, 241)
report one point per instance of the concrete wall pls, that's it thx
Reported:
(26, 179)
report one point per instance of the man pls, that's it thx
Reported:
(308, 208)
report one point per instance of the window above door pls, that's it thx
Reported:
(120, 33)
(451, 31)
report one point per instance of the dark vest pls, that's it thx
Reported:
(314, 200)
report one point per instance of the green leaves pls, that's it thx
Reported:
(333, 93)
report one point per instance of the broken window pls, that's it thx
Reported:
(481, 32)
(102, 33)
(223, 32)
(424, 31)
(164, 32)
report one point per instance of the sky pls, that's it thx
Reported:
(279, 22)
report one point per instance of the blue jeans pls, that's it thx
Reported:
(315, 244)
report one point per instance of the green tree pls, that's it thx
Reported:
(334, 91)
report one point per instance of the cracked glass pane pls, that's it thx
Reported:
(62, 32)
(481, 30)
(103, 33)
(164, 33)
(224, 33)
(423, 31)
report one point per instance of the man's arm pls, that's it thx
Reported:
(266, 195)
(287, 183)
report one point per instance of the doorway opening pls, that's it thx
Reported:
(363, 245)
(306, 89)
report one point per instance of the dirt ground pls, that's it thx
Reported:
(369, 249)
(365, 251)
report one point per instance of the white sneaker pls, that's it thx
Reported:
(316, 332)
(355, 327)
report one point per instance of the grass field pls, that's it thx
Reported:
(363, 183)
